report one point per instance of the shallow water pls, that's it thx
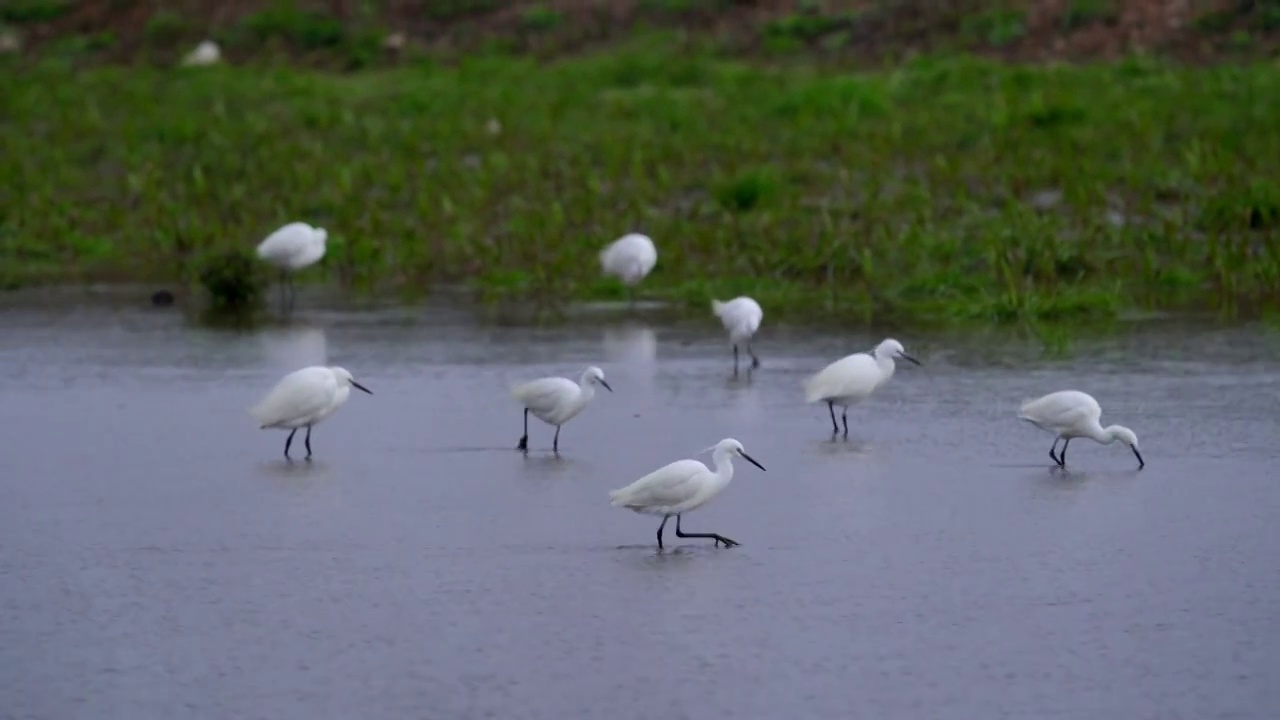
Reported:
(158, 558)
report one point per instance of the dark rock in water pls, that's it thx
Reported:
(161, 298)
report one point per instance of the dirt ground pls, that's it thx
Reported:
(859, 30)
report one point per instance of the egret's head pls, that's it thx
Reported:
(1127, 436)
(893, 349)
(596, 375)
(344, 378)
(733, 447)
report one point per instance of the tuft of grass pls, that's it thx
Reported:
(1083, 13)
(997, 27)
(232, 278)
(540, 19)
(947, 189)
(19, 12)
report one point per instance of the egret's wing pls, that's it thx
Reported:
(299, 394)
(668, 485)
(832, 380)
(285, 242)
(544, 394)
(1056, 410)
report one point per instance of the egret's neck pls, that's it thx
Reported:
(723, 460)
(885, 363)
(1096, 432)
(586, 389)
(340, 397)
(1108, 434)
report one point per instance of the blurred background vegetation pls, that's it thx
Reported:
(940, 160)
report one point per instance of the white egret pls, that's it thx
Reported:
(630, 257)
(682, 486)
(1071, 414)
(741, 317)
(852, 378)
(206, 53)
(303, 398)
(291, 248)
(556, 400)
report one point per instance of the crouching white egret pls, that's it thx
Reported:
(682, 486)
(556, 400)
(1071, 414)
(741, 318)
(303, 398)
(630, 257)
(853, 378)
(291, 248)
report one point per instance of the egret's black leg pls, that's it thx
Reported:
(289, 441)
(524, 439)
(308, 442)
(755, 361)
(1062, 454)
(735, 358)
(1053, 447)
(718, 538)
(844, 417)
(555, 443)
(284, 289)
(664, 524)
(831, 407)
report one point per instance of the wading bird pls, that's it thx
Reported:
(1071, 414)
(555, 400)
(741, 318)
(682, 486)
(291, 248)
(303, 398)
(630, 258)
(852, 378)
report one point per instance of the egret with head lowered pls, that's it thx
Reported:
(741, 318)
(630, 258)
(556, 400)
(1071, 414)
(291, 248)
(853, 378)
(682, 486)
(303, 398)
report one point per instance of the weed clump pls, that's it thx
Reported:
(233, 281)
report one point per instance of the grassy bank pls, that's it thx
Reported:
(949, 189)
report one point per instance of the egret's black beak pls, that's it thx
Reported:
(1138, 455)
(358, 386)
(606, 385)
(751, 460)
(908, 358)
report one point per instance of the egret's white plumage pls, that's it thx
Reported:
(1071, 414)
(303, 398)
(556, 400)
(293, 247)
(206, 53)
(852, 378)
(682, 486)
(741, 318)
(630, 257)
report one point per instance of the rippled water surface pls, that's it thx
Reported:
(159, 559)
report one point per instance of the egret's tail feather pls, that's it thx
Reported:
(617, 498)
(717, 307)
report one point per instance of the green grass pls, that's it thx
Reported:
(898, 195)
